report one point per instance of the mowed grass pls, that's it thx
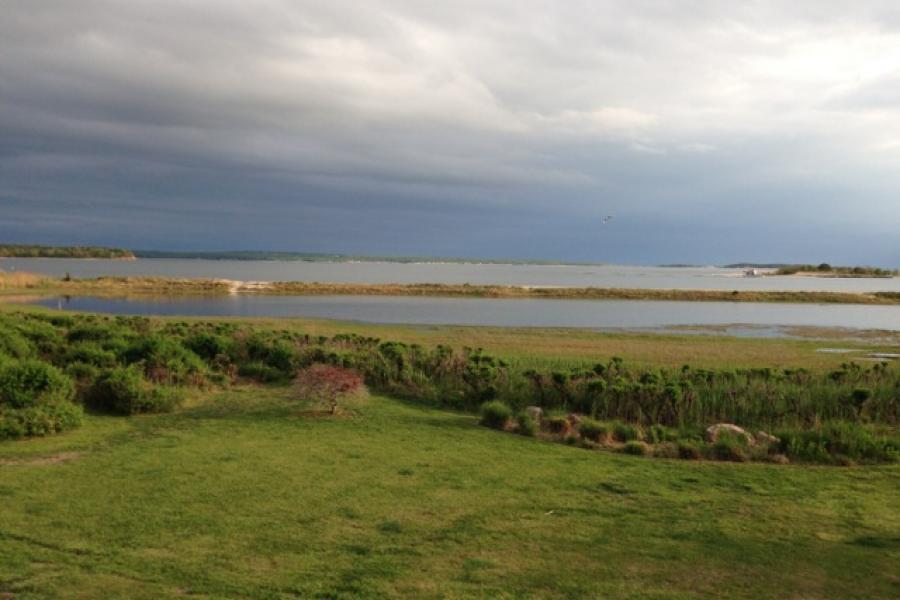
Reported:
(242, 496)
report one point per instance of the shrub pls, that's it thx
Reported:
(124, 391)
(13, 344)
(635, 447)
(558, 425)
(593, 430)
(207, 345)
(327, 384)
(165, 359)
(32, 382)
(729, 448)
(90, 353)
(261, 372)
(624, 432)
(35, 399)
(689, 451)
(526, 424)
(43, 419)
(495, 414)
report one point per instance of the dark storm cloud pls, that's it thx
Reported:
(713, 131)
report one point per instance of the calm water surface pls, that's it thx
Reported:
(600, 314)
(386, 272)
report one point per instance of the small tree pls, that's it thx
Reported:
(327, 384)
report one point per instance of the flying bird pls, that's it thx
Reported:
(606, 219)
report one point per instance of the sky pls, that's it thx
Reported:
(711, 132)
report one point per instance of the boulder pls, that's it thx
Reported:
(535, 412)
(713, 432)
(766, 439)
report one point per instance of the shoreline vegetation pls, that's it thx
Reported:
(54, 368)
(36, 251)
(826, 270)
(18, 283)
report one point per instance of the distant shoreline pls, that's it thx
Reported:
(104, 253)
(23, 283)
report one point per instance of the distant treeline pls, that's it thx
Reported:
(826, 269)
(34, 251)
(322, 257)
(746, 265)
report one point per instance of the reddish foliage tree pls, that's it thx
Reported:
(327, 384)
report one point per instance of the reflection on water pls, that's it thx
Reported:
(754, 318)
(477, 274)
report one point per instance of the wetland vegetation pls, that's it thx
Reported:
(150, 458)
(11, 283)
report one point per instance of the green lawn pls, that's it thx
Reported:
(239, 496)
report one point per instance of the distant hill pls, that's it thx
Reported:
(35, 251)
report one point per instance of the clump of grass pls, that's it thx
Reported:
(659, 433)
(666, 450)
(729, 447)
(495, 414)
(593, 430)
(689, 451)
(625, 432)
(525, 424)
(558, 425)
(635, 447)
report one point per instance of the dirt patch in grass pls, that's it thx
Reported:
(53, 459)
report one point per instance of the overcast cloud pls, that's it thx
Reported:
(712, 131)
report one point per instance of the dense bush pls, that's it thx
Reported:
(165, 360)
(125, 391)
(35, 399)
(90, 353)
(33, 382)
(495, 414)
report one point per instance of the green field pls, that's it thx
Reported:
(239, 496)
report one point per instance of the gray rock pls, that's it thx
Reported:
(715, 431)
(765, 438)
(535, 412)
